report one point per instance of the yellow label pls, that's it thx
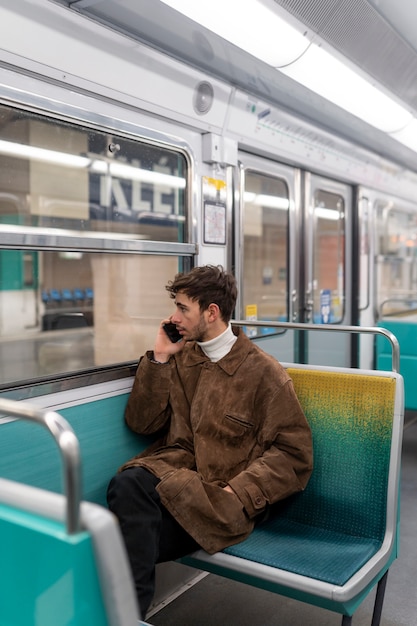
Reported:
(251, 311)
(214, 182)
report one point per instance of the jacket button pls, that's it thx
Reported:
(258, 500)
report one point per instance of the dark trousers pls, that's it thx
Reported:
(150, 532)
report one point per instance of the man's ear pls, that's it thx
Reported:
(213, 311)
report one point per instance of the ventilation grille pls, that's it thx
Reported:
(361, 34)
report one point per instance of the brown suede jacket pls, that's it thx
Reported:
(236, 422)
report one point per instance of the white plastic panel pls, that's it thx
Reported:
(276, 132)
(100, 61)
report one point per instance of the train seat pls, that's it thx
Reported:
(405, 330)
(63, 559)
(56, 296)
(46, 298)
(330, 545)
(78, 579)
(67, 295)
(79, 295)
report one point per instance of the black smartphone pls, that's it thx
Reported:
(172, 332)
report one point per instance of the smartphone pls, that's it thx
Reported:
(172, 332)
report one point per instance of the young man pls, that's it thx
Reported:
(233, 437)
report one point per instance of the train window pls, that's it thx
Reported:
(396, 246)
(92, 226)
(329, 257)
(58, 175)
(265, 258)
(93, 310)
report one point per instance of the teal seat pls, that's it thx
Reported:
(405, 331)
(294, 548)
(330, 545)
(63, 579)
(104, 439)
(63, 563)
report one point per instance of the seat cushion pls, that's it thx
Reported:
(321, 554)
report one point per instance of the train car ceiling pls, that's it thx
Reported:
(356, 29)
(352, 29)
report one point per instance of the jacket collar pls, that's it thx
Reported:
(194, 355)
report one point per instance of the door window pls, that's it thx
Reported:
(265, 240)
(328, 257)
(396, 259)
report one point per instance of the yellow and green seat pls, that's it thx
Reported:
(331, 544)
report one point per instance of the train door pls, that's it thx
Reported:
(292, 262)
(395, 259)
(267, 260)
(389, 284)
(388, 267)
(327, 270)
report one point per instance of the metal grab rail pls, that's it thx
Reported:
(397, 300)
(395, 346)
(69, 449)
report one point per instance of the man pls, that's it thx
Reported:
(233, 437)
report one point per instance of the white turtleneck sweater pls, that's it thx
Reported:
(218, 347)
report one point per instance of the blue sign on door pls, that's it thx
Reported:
(325, 302)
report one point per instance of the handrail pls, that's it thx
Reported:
(395, 346)
(398, 300)
(68, 446)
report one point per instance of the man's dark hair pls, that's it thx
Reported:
(207, 284)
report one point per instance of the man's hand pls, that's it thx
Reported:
(164, 347)
(229, 489)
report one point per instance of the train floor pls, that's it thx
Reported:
(217, 601)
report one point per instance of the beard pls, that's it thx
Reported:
(199, 331)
